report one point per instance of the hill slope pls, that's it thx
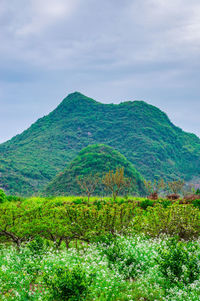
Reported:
(94, 159)
(141, 132)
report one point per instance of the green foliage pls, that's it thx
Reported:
(37, 245)
(154, 186)
(138, 273)
(116, 182)
(3, 197)
(146, 203)
(179, 262)
(67, 220)
(196, 203)
(89, 167)
(61, 221)
(165, 203)
(181, 220)
(141, 132)
(197, 191)
(129, 256)
(176, 186)
(68, 283)
(127, 262)
(14, 198)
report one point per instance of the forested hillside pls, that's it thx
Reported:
(141, 132)
(94, 160)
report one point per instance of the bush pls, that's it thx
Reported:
(68, 283)
(128, 259)
(196, 203)
(14, 198)
(165, 203)
(197, 191)
(178, 261)
(105, 239)
(181, 220)
(146, 203)
(113, 251)
(36, 246)
(3, 197)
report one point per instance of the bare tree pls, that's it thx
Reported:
(176, 186)
(153, 188)
(88, 183)
(116, 182)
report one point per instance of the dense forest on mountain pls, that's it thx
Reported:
(91, 161)
(139, 131)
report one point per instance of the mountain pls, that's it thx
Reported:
(139, 131)
(94, 159)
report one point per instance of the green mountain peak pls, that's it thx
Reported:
(141, 132)
(93, 159)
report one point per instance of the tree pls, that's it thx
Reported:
(154, 187)
(116, 182)
(176, 186)
(88, 184)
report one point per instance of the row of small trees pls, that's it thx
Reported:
(60, 221)
(116, 183)
(64, 221)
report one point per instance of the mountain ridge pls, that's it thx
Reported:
(141, 132)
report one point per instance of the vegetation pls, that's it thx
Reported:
(71, 219)
(141, 132)
(95, 247)
(88, 183)
(94, 163)
(176, 186)
(72, 248)
(116, 182)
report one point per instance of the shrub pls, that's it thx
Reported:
(68, 283)
(196, 203)
(146, 203)
(13, 198)
(181, 220)
(165, 203)
(3, 197)
(178, 261)
(127, 258)
(197, 191)
(36, 246)
(105, 239)
(113, 251)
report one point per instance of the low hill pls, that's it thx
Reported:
(139, 131)
(94, 159)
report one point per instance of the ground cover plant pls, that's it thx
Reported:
(124, 268)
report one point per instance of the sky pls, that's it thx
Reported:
(109, 50)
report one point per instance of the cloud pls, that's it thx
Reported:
(43, 14)
(110, 50)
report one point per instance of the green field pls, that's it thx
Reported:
(69, 248)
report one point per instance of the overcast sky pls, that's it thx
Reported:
(110, 50)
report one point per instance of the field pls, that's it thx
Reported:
(69, 248)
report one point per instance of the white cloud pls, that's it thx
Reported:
(143, 48)
(46, 13)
